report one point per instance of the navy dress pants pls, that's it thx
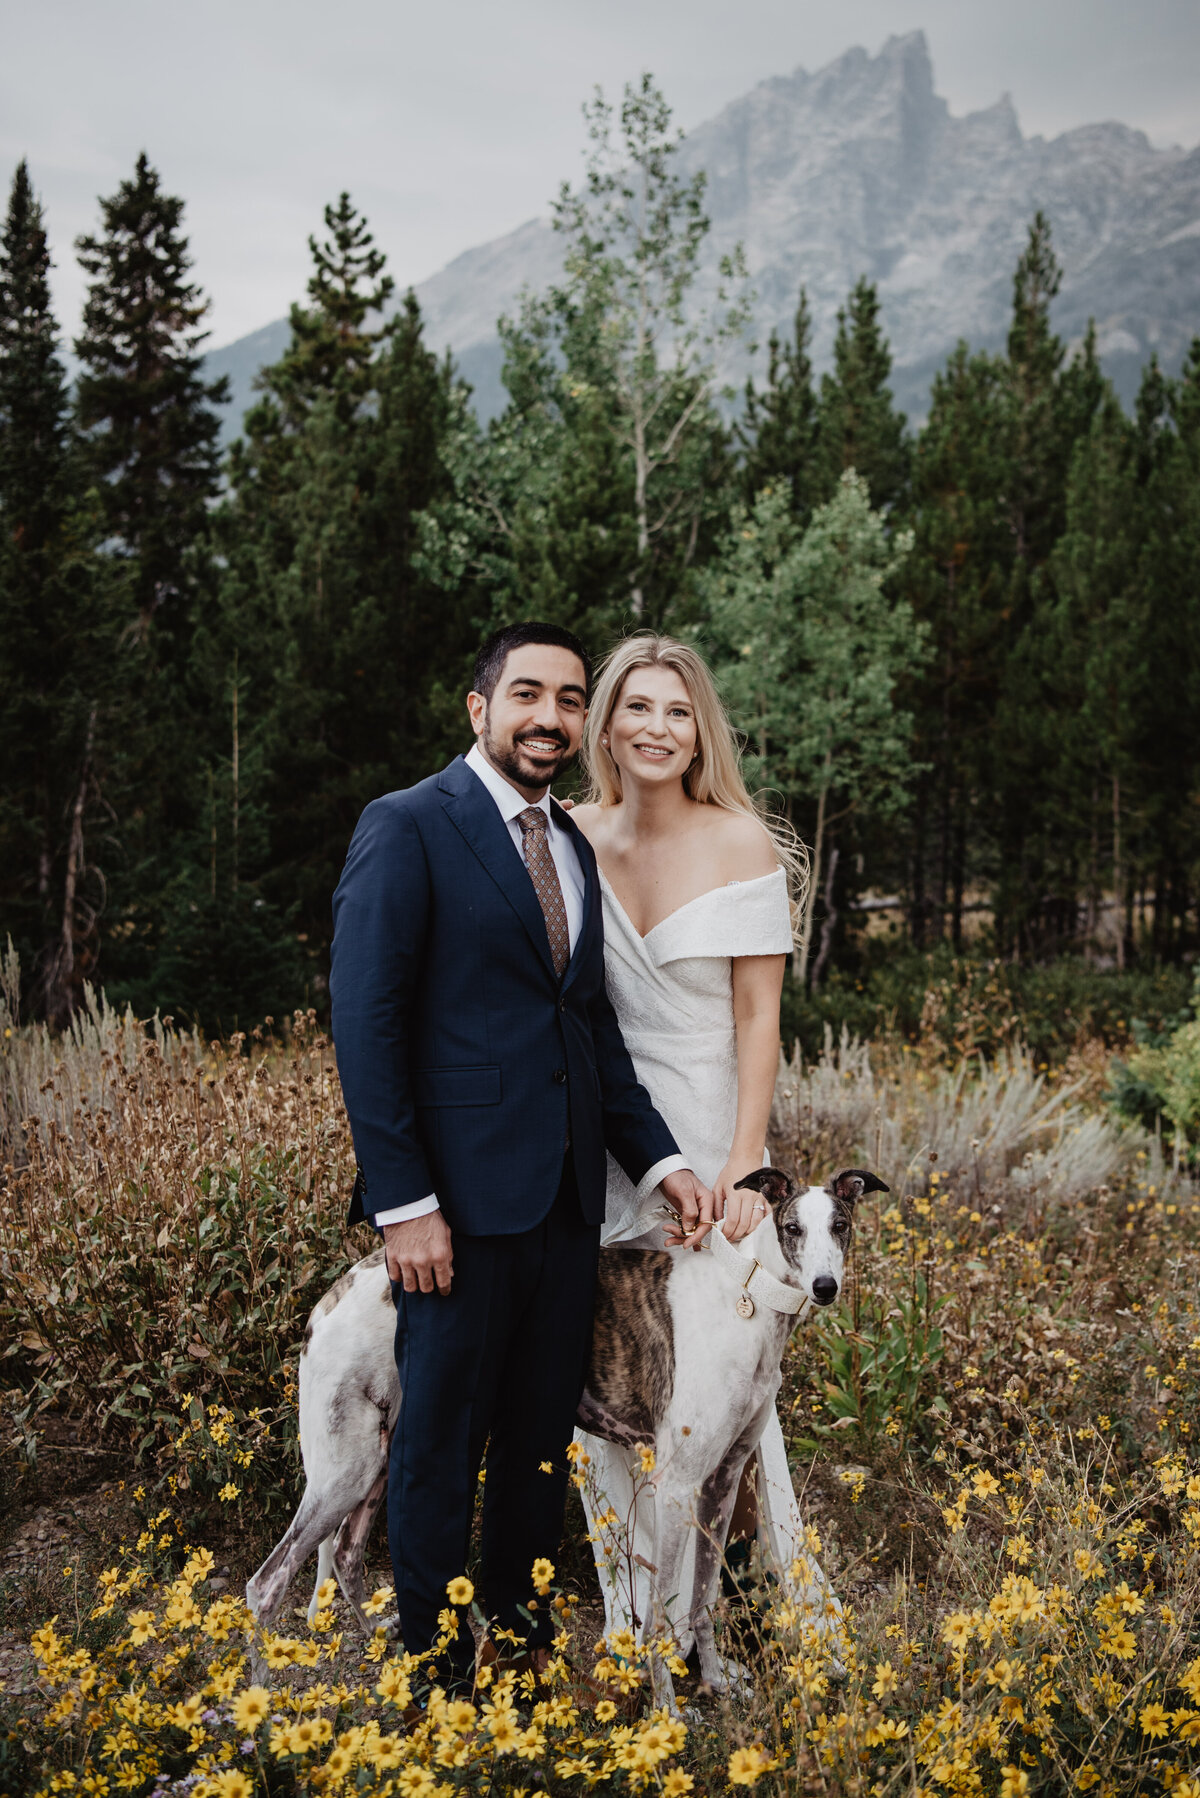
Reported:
(500, 1360)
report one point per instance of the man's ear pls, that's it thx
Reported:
(477, 711)
(774, 1185)
(853, 1183)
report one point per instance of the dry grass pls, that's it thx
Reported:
(168, 1215)
(995, 1437)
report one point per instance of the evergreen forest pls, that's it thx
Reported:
(962, 656)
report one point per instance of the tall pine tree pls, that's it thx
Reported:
(1048, 406)
(858, 425)
(778, 426)
(143, 403)
(57, 646)
(343, 649)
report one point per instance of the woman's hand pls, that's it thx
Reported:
(742, 1211)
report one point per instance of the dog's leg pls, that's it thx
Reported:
(324, 1570)
(714, 1510)
(349, 1546)
(320, 1513)
(670, 1544)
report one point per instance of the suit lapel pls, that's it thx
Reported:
(472, 810)
(591, 885)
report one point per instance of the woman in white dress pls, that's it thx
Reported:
(697, 926)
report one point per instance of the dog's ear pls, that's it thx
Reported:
(854, 1183)
(774, 1185)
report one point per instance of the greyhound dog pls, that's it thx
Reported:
(685, 1360)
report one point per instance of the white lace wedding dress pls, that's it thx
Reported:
(672, 991)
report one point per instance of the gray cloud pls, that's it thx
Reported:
(450, 124)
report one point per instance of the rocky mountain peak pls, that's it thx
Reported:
(860, 168)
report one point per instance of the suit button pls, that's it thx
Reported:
(562, 1005)
(560, 1076)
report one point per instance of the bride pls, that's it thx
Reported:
(697, 929)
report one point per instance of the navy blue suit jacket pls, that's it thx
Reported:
(463, 1061)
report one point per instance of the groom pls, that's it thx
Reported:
(485, 1076)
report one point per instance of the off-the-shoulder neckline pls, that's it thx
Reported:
(775, 874)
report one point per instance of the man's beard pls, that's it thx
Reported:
(507, 759)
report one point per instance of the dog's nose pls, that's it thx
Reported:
(825, 1289)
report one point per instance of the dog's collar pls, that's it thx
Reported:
(757, 1285)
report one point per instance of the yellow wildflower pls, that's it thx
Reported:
(543, 1573)
(747, 1765)
(886, 1680)
(460, 1590)
(505, 1731)
(231, 1783)
(251, 1708)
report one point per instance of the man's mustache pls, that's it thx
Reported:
(544, 736)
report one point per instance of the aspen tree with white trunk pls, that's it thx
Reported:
(634, 233)
(814, 647)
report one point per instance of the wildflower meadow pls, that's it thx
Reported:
(993, 1437)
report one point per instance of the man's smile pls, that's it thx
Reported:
(542, 745)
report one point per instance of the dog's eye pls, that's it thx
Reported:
(841, 1227)
(793, 1229)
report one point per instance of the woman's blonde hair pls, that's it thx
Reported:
(715, 776)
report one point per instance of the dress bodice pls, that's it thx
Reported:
(672, 991)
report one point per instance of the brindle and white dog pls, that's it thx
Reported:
(685, 1359)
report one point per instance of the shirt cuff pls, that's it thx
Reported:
(400, 1214)
(670, 1164)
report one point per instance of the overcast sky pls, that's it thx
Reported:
(453, 121)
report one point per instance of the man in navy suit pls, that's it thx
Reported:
(485, 1077)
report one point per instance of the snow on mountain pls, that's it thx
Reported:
(860, 169)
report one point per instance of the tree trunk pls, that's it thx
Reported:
(1123, 927)
(828, 922)
(916, 923)
(1092, 915)
(60, 975)
(641, 459)
(960, 876)
(800, 957)
(235, 772)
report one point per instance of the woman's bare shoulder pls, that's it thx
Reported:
(743, 844)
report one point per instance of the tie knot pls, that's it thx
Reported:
(532, 818)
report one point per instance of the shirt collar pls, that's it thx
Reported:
(508, 800)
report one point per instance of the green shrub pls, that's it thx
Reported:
(976, 1005)
(1161, 1078)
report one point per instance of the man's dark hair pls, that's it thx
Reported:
(489, 663)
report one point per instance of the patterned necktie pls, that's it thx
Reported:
(544, 875)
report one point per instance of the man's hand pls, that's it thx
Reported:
(418, 1253)
(694, 1203)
